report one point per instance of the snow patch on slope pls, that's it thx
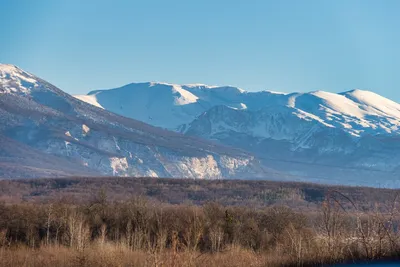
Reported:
(183, 97)
(90, 99)
(119, 166)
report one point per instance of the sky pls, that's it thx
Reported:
(282, 45)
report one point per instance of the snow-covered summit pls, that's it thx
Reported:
(374, 103)
(356, 112)
(15, 80)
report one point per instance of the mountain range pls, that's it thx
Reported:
(197, 131)
(347, 138)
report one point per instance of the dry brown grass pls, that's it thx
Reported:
(110, 255)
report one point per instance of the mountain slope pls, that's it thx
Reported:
(78, 138)
(334, 142)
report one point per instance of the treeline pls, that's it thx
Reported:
(190, 235)
(258, 194)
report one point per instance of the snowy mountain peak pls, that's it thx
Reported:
(9, 68)
(374, 103)
(364, 96)
(358, 92)
(12, 70)
(15, 80)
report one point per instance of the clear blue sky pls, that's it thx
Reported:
(81, 45)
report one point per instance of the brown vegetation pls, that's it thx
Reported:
(104, 230)
(257, 194)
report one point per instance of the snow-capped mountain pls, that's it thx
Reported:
(46, 132)
(171, 106)
(351, 137)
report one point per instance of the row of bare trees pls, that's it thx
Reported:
(340, 231)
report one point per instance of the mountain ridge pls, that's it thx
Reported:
(176, 109)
